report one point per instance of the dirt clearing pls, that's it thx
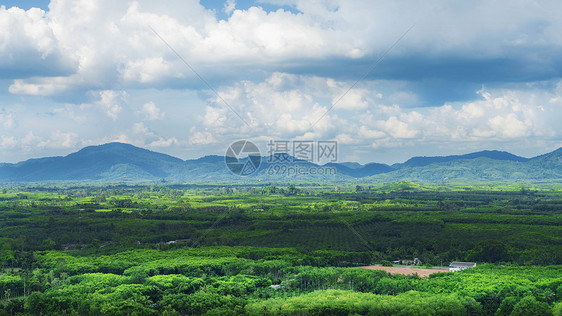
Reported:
(406, 270)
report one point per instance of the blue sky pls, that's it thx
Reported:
(466, 77)
(26, 4)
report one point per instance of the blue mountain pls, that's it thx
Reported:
(492, 154)
(124, 162)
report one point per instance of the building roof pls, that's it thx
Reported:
(463, 264)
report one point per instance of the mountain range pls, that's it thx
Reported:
(118, 162)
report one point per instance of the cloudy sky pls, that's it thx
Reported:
(187, 77)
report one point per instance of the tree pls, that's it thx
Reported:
(491, 251)
(530, 306)
(35, 303)
(292, 190)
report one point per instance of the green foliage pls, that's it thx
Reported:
(529, 305)
(284, 250)
(557, 309)
(337, 302)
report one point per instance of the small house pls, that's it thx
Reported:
(458, 266)
(416, 261)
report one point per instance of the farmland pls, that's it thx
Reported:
(278, 249)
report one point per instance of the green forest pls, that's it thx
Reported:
(279, 249)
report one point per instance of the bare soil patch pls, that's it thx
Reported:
(406, 270)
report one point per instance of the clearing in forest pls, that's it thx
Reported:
(406, 270)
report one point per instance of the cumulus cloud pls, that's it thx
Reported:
(353, 99)
(28, 45)
(43, 86)
(140, 128)
(164, 142)
(366, 133)
(397, 128)
(281, 71)
(60, 139)
(111, 102)
(80, 45)
(57, 139)
(6, 119)
(151, 112)
(31, 140)
(111, 42)
(285, 106)
(201, 138)
(282, 105)
(8, 142)
(229, 6)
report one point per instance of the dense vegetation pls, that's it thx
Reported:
(278, 250)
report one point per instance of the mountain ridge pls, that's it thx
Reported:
(125, 162)
(420, 161)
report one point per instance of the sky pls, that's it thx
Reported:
(387, 80)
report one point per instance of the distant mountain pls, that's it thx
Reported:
(208, 159)
(492, 154)
(546, 167)
(352, 165)
(550, 161)
(115, 162)
(108, 161)
(360, 171)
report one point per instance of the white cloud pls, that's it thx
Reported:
(85, 46)
(352, 100)
(201, 138)
(122, 138)
(283, 105)
(41, 86)
(229, 6)
(88, 53)
(366, 133)
(6, 119)
(111, 102)
(397, 128)
(151, 112)
(30, 139)
(149, 70)
(470, 111)
(139, 128)
(509, 126)
(28, 44)
(346, 139)
(164, 142)
(59, 139)
(8, 142)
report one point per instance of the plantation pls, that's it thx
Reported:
(279, 250)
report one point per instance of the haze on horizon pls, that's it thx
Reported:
(466, 77)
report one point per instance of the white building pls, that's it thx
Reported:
(458, 266)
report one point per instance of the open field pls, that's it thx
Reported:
(406, 270)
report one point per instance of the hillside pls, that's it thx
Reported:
(115, 162)
(492, 154)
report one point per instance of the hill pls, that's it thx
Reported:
(492, 154)
(115, 162)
